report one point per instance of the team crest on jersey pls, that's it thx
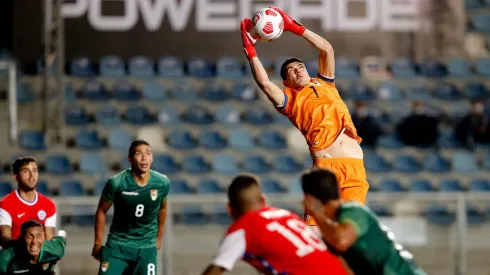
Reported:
(104, 266)
(154, 194)
(45, 266)
(41, 215)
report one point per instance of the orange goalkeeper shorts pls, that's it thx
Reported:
(351, 177)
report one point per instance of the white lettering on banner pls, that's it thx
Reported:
(219, 15)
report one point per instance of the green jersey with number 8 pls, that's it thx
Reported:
(375, 251)
(136, 208)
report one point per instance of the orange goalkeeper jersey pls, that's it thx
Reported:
(319, 112)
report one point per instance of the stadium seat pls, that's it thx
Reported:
(345, 68)
(180, 186)
(70, 94)
(436, 163)
(107, 115)
(154, 91)
(209, 186)
(5, 188)
(255, 164)
(312, 66)
(475, 90)
(193, 215)
(32, 140)
(380, 210)
(433, 68)
(244, 92)
(184, 92)
(447, 91)
(111, 66)
(167, 115)
(389, 91)
(198, 115)
(376, 163)
(418, 91)
(473, 4)
(24, 93)
(478, 185)
(390, 142)
(181, 139)
(58, 165)
(286, 164)
(459, 67)
(403, 67)
(124, 91)
(220, 216)
(447, 139)
(421, 185)
(229, 67)
(165, 164)
(93, 164)
(170, 66)
(195, 164)
(211, 139)
(450, 185)
(119, 139)
(482, 64)
(390, 185)
(88, 139)
(294, 186)
(464, 162)
(241, 139)
(272, 139)
(474, 216)
(214, 92)
(71, 188)
(406, 164)
(481, 22)
(139, 115)
(199, 67)
(258, 116)
(93, 90)
(41, 187)
(439, 215)
(271, 186)
(82, 67)
(228, 115)
(99, 186)
(76, 115)
(361, 91)
(225, 164)
(141, 66)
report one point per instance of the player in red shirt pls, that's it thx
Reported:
(273, 240)
(25, 203)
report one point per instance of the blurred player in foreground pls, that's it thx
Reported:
(25, 203)
(314, 106)
(272, 240)
(32, 253)
(353, 230)
(139, 196)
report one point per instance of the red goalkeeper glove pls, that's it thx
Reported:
(248, 41)
(290, 24)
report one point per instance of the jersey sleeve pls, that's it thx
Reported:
(109, 191)
(285, 107)
(326, 79)
(357, 217)
(5, 257)
(55, 246)
(231, 250)
(166, 187)
(5, 218)
(51, 219)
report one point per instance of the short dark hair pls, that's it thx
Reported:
(20, 162)
(286, 63)
(238, 185)
(321, 184)
(134, 144)
(29, 224)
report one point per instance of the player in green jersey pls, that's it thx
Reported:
(139, 196)
(353, 230)
(31, 253)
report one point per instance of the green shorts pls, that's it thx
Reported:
(119, 259)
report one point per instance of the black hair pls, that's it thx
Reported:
(286, 63)
(236, 190)
(321, 184)
(28, 224)
(134, 144)
(20, 162)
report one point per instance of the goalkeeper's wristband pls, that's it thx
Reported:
(250, 52)
(298, 28)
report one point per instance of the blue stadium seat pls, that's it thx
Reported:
(165, 164)
(185, 92)
(154, 91)
(478, 185)
(211, 139)
(256, 164)
(24, 93)
(141, 66)
(71, 188)
(42, 187)
(389, 91)
(434, 162)
(390, 185)
(450, 185)
(107, 115)
(228, 115)
(93, 90)
(229, 67)
(473, 4)
(294, 186)
(433, 68)
(482, 64)
(193, 215)
(391, 141)
(406, 164)
(209, 186)
(220, 216)
(421, 185)
(124, 91)
(459, 67)
(199, 67)
(111, 66)
(225, 164)
(76, 115)
(447, 139)
(447, 91)
(244, 92)
(361, 91)
(403, 67)
(272, 139)
(258, 116)
(119, 139)
(32, 140)
(312, 66)
(377, 164)
(93, 164)
(58, 165)
(439, 215)
(195, 164)
(474, 215)
(70, 94)
(139, 115)
(99, 186)
(214, 92)
(380, 210)
(286, 164)
(88, 139)
(170, 66)
(198, 115)
(180, 186)
(271, 186)
(167, 115)
(181, 139)
(82, 66)
(418, 91)
(345, 68)
(266, 62)
(241, 139)
(475, 90)
(464, 162)
(5, 188)
(481, 22)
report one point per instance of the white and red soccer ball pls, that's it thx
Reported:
(267, 25)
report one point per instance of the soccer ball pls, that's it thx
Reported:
(267, 25)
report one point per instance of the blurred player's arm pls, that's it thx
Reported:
(271, 90)
(5, 227)
(231, 250)
(162, 218)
